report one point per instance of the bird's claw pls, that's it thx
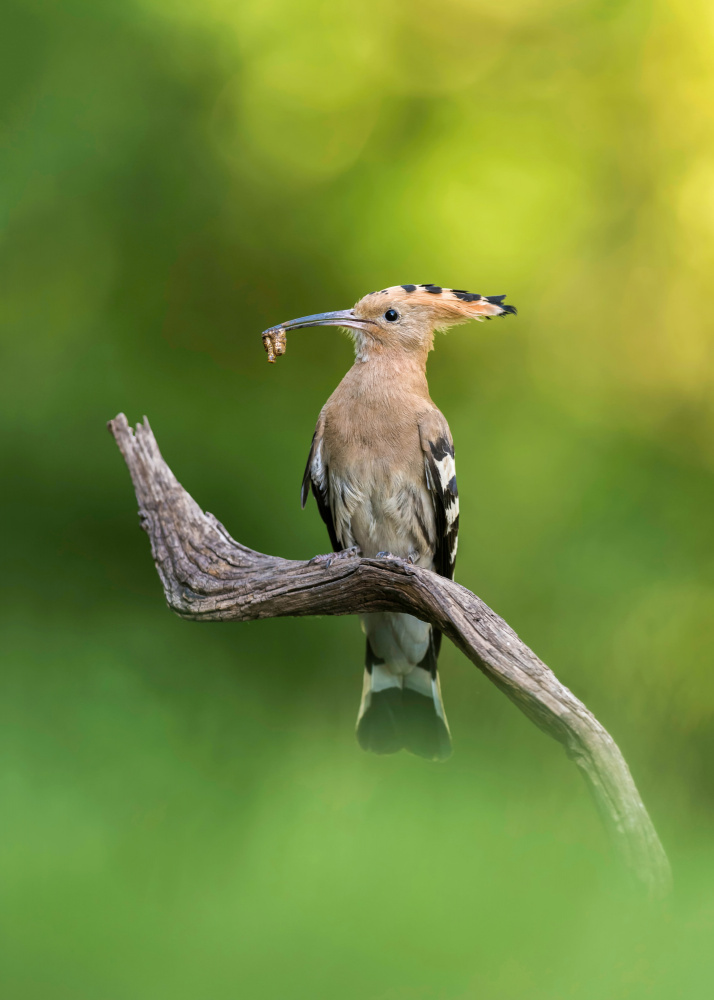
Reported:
(328, 558)
(411, 558)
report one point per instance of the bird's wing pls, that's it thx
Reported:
(438, 449)
(316, 477)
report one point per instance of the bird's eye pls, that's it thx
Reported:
(391, 315)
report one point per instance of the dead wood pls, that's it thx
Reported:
(207, 576)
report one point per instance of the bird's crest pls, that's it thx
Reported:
(450, 305)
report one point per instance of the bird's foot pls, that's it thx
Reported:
(412, 558)
(330, 557)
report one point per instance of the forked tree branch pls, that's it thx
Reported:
(207, 576)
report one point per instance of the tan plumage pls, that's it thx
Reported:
(381, 467)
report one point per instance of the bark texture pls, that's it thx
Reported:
(208, 576)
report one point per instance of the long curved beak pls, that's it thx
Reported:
(341, 317)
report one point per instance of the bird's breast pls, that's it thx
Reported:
(378, 493)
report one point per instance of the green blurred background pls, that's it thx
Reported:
(186, 813)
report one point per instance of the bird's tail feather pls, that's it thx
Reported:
(403, 712)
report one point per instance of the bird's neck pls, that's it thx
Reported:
(406, 352)
(386, 374)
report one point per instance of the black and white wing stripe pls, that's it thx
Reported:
(440, 468)
(316, 477)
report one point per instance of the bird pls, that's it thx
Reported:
(381, 468)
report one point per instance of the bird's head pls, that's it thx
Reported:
(404, 317)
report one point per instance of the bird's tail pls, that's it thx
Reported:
(404, 711)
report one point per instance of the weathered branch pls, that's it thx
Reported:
(207, 576)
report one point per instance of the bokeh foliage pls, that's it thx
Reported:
(185, 811)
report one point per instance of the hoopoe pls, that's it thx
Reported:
(381, 468)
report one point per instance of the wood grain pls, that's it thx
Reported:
(208, 576)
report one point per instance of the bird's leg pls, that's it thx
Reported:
(330, 557)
